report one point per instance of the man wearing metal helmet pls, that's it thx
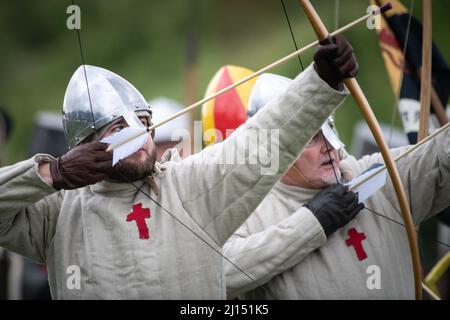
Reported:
(306, 239)
(147, 229)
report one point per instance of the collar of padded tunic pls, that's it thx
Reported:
(298, 193)
(116, 189)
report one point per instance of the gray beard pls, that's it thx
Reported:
(124, 172)
(330, 180)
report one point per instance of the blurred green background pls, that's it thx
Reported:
(146, 42)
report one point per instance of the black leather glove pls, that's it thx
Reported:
(334, 207)
(83, 165)
(335, 61)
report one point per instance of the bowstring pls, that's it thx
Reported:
(292, 33)
(403, 225)
(86, 78)
(294, 40)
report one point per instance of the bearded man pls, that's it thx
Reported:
(144, 229)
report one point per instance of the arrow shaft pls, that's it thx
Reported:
(242, 81)
(258, 73)
(404, 154)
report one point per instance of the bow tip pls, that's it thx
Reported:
(386, 7)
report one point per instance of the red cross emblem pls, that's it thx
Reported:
(139, 215)
(354, 240)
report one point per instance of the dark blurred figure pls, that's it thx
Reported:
(444, 217)
(6, 263)
(5, 130)
(21, 278)
(47, 137)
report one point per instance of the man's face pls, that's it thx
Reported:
(314, 163)
(138, 165)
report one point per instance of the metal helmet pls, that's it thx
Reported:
(269, 86)
(96, 97)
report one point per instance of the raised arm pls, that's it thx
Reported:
(425, 173)
(29, 197)
(29, 209)
(267, 253)
(220, 193)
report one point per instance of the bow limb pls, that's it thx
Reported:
(374, 126)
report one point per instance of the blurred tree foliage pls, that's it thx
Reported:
(145, 41)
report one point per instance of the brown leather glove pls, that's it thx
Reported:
(83, 165)
(335, 61)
